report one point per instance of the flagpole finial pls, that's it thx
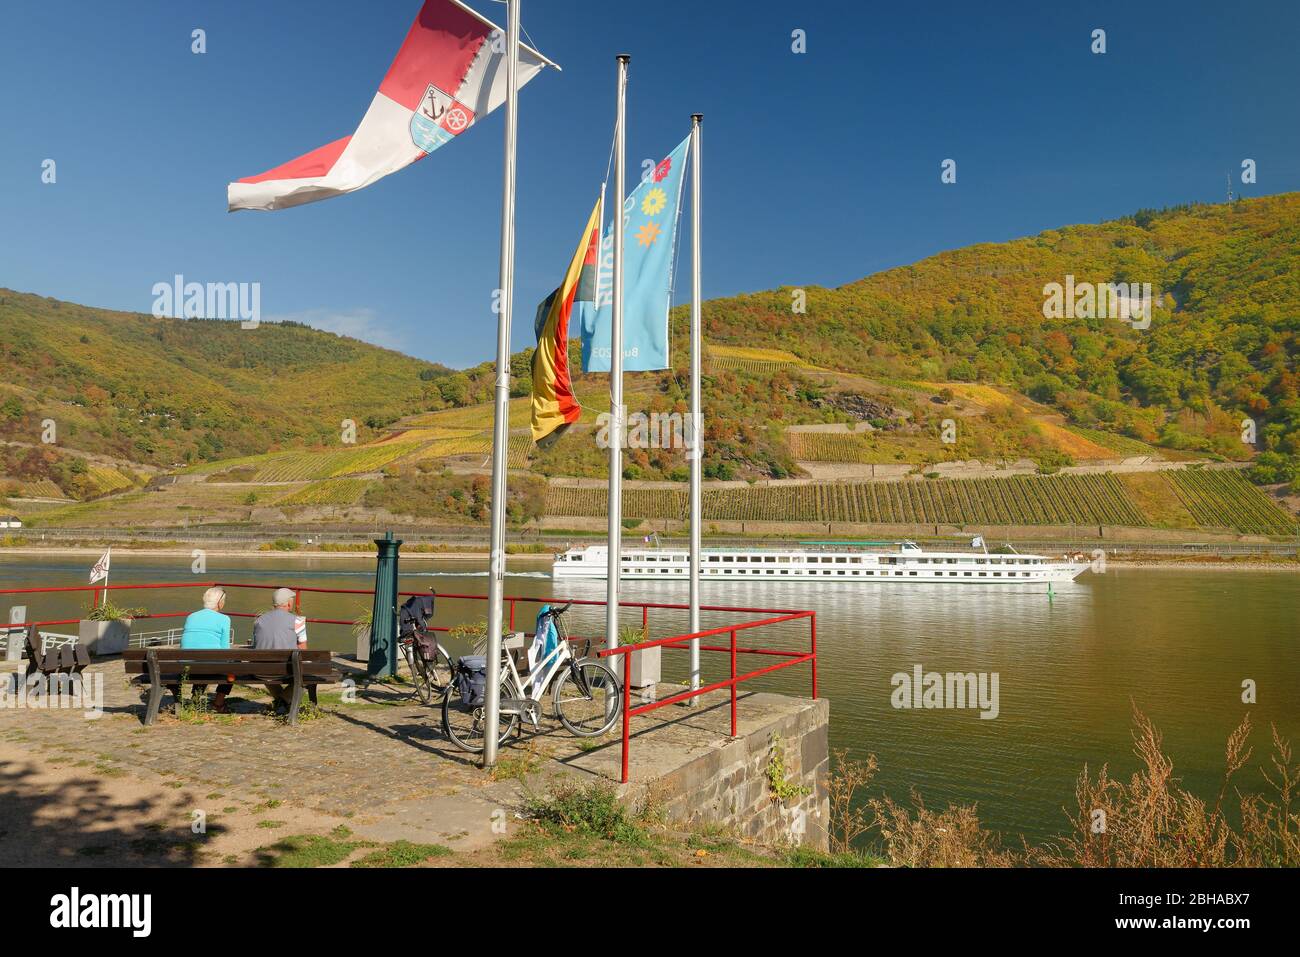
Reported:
(697, 117)
(624, 58)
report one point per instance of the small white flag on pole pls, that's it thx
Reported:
(977, 541)
(100, 571)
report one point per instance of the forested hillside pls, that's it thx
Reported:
(168, 391)
(799, 381)
(1221, 345)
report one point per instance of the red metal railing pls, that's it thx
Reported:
(683, 642)
(511, 601)
(676, 642)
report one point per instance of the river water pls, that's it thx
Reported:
(1179, 644)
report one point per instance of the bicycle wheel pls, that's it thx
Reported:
(420, 672)
(465, 724)
(440, 671)
(589, 706)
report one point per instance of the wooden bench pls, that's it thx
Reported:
(159, 667)
(63, 660)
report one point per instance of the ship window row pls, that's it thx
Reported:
(855, 572)
(816, 559)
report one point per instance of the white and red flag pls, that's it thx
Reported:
(99, 571)
(449, 72)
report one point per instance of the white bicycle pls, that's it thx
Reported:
(587, 697)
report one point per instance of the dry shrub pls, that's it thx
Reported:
(1148, 821)
(1270, 832)
(848, 822)
(919, 838)
(925, 838)
(1153, 822)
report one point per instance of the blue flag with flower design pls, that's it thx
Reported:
(649, 250)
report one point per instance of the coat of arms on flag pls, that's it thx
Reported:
(439, 119)
(447, 73)
(99, 571)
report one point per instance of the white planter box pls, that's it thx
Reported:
(102, 638)
(645, 667)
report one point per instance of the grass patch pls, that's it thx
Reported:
(307, 712)
(808, 857)
(304, 850)
(592, 809)
(317, 850)
(1156, 499)
(402, 854)
(517, 765)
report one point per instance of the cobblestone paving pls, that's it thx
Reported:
(359, 761)
(381, 764)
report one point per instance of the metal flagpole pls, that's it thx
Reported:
(697, 419)
(618, 415)
(501, 419)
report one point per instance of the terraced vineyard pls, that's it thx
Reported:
(42, 488)
(831, 447)
(1222, 498)
(328, 492)
(517, 451)
(309, 465)
(760, 361)
(426, 434)
(571, 502)
(1018, 500)
(472, 443)
(104, 480)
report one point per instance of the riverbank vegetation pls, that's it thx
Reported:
(1149, 820)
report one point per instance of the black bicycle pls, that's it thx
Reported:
(428, 661)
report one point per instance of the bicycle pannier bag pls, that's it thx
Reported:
(471, 680)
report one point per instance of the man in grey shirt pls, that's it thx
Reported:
(280, 630)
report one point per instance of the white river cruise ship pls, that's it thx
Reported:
(841, 562)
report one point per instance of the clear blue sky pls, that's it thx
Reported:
(819, 168)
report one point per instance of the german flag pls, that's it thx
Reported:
(555, 407)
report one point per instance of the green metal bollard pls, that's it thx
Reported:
(383, 621)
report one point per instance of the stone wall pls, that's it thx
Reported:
(730, 785)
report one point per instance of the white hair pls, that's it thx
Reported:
(213, 597)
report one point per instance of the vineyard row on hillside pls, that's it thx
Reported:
(1216, 499)
(328, 492)
(753, 366)
(1223, 498)
(830, 447)
(1019, 500)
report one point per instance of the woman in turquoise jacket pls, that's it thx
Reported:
(208, 628)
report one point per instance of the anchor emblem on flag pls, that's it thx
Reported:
(439, 119)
